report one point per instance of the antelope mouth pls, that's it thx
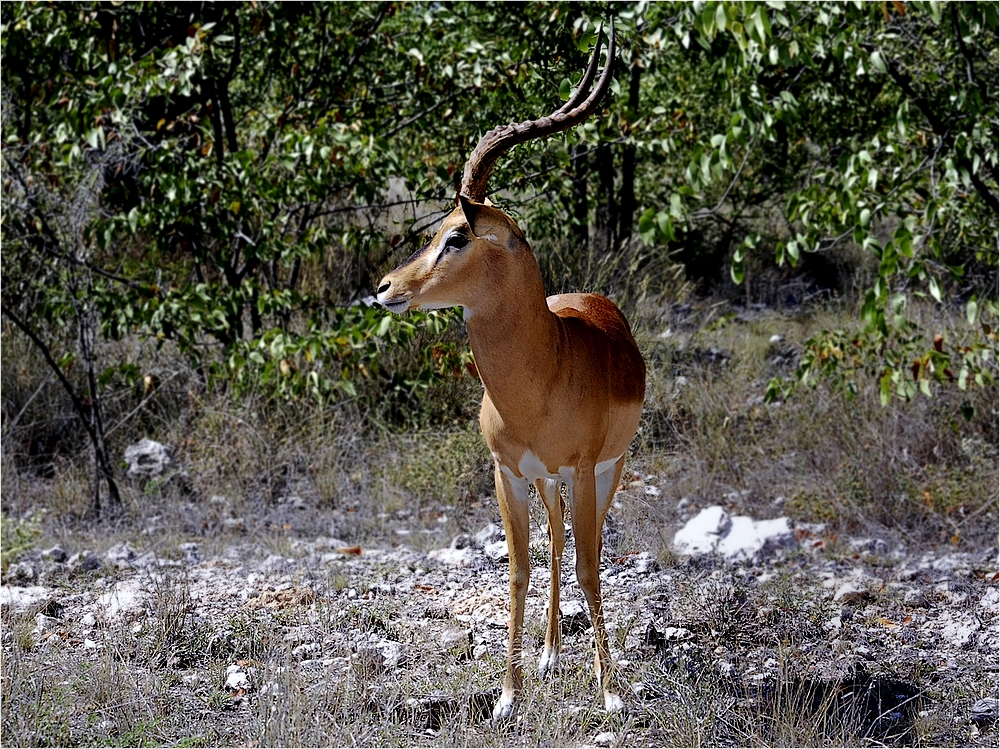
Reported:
(395, 305)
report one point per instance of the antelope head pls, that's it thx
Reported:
(477, 243)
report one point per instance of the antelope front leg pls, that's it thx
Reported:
(512, 495)
(587, 520)
(548, 490)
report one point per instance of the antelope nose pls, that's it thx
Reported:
(384, 287)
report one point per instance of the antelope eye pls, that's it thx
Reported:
(456, 241)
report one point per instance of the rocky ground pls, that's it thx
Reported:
(755, 632)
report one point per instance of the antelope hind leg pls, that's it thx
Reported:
(589, 503)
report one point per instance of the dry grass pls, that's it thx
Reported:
(916, 469)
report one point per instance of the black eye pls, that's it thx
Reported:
(456, 241)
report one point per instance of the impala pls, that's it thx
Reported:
(563, 380)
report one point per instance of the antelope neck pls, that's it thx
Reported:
(514, 338)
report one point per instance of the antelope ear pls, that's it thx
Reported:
(471, 210)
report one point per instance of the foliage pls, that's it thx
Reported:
(220, 177)
(869, 123)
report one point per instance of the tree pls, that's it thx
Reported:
(873, 124)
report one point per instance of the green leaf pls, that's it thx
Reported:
(934, 288)
(565, 89)
(666, 226)
(736, 270)
(647, 226)
(972, 311)
(720, 16)
(885, 389)
(877, 62)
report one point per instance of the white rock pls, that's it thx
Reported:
(121, 555)
(915, 597)
(605, 738)
(148, 459)
(990, 600)
(456, 640)
(749, 538)
(454, 557)
(488, 535)
(125, 597)
(22, 599)
(701, 534)
(851, 592)
(237, 679)
(644, 563)
(956, 629)
(676, 633)
(497, 551)
(306, 651)
(986, 710)
(734, 537)
(55, 554)
(277, 565)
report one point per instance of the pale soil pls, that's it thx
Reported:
(319, 644)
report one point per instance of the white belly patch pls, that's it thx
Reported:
(532, 469)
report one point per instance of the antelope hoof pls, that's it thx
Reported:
(613, 703)
(548, 663)
(505, 710)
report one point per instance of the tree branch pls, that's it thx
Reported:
(938, 126)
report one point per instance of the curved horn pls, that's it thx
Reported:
(501, 139)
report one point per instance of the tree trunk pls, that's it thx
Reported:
(87, 324)
(581, 212)
(626, 200)
(607, 204)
